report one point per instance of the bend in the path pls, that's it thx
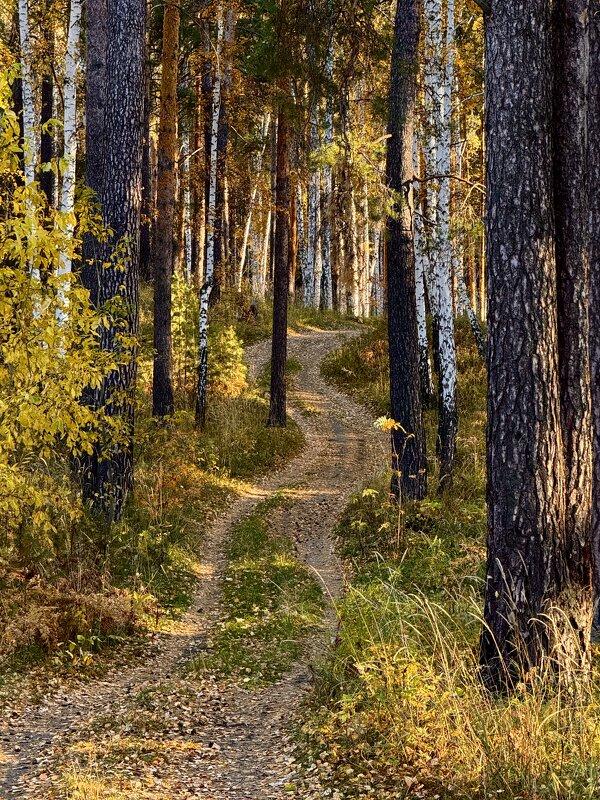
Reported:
(242, 750)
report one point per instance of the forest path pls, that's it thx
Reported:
(214, 740)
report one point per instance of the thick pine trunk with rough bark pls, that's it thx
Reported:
(571, 201)
(594, 243)
(277, 409)
(95, 140)
(166, 187)
(147, 193)
(109, 476)
(538, 591)
(408, 441)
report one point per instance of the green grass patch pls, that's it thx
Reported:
(300, 317)
(271, 601)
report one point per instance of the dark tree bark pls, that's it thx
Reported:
(535, 605)
(95, 102)
(109, 479)
(147, 195)
(47, 178)
(277, 410)
(409, 464)
(571, 202)
(272, 232)
(162, 256)
(594, 186)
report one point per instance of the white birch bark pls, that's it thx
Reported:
(440, 78)
(251, 203)
(467, 306)
(265, 252)
(305, 266)
(328, 189)
(69, 161)
(312, 285)
(422, 267)
(365, 287)
(187, 205)
(207, 285)
(29, 139)
(354, 255)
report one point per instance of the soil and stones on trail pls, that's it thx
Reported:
(153, 732)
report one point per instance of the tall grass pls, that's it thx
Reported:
(402, 709)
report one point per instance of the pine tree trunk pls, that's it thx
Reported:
(277, 409)
(110, 477)
(95, 136)
(408, 441)
(164, 233)
(571, 201)
(537, 607)
(593, 123)
(147, 194)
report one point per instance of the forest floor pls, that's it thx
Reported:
(173, 725)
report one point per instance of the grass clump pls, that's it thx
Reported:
(272, 603)
(402, 711)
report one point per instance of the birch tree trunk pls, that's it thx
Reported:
(312, 288)
(187, 203)
(253, 195)
(328, 186)
(465, 302)
(442, 263)
(67, 191)
(29, 138)
(166, 188)
(209, 275)
(67, 194)
(305, 265)
(409, 462)
(421, 259)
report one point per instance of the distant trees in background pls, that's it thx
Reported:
(245, 163)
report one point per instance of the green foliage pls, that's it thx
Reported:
(227, 371)
(272, 603)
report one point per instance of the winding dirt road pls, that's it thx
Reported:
(224, 742)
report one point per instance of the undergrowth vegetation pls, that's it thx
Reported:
(402, 712)
(85, 587)
(272, 602)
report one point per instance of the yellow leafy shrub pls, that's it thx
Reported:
(49, 355)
